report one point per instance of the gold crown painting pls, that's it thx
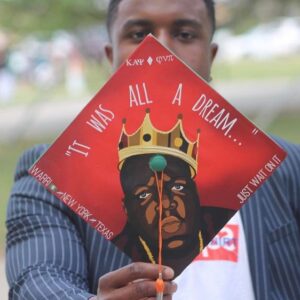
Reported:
(149, 140)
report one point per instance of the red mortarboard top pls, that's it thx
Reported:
(165, 104)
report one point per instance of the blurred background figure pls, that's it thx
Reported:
(7, 78)
(75, 80)
(51, 65)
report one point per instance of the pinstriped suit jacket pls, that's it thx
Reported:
(53, 254)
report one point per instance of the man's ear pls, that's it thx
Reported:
(213, 52)
(109, 52)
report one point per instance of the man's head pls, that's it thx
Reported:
(184, 26)
(114, 4)
(181, 208)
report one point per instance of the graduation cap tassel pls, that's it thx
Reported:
(159, 284)
(157, 164)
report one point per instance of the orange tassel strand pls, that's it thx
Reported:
(160, 286)
(157, 164)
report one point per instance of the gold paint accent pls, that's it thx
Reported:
(148, 251)
(135, 140)
(200, 241)
(159, 143)
(178, 142)
(162, 139)
(174, 135)
(150, 255)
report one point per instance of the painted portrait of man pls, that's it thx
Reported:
(186, 226)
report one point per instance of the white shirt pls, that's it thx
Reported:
(221, 271)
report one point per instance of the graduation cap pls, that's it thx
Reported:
(151, 184)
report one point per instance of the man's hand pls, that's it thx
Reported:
(134, 282)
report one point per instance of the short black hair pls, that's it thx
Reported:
(114, 4)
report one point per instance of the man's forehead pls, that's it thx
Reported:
(173, 8)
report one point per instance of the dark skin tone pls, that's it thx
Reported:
(184, 27)
(180, 212)
(135, 281)
(145, 200)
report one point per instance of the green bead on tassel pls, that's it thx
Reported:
(157, 163)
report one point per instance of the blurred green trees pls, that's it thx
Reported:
(23, 16)
(240, 15)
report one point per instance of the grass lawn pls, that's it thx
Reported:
(286, 126)
(285, 67)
